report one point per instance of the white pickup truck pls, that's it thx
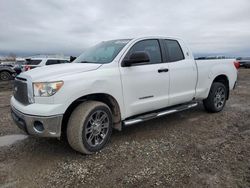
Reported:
(115, 84)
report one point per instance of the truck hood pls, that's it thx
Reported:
(54, 72)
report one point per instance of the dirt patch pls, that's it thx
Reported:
(188, 149)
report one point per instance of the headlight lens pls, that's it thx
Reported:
(46, 89)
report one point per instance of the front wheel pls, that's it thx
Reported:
(5, 75)
(89, 127)
(217, 97)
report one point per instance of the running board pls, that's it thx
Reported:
(153, 115)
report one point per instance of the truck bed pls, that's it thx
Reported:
(208, 69)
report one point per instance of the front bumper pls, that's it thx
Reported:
(42, 126)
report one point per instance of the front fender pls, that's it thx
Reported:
(106, 84)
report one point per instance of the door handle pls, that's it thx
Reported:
(162, 70)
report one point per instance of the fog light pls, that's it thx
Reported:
(38, 126)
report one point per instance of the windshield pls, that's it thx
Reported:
(102, 53)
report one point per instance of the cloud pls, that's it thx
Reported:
(70, 26)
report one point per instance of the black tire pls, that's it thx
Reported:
(215, 102)
(82, 135)
(5, 75)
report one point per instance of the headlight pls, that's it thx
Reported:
(46, 89)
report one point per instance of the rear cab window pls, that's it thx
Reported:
(174, 51)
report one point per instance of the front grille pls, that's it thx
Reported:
(20, 91)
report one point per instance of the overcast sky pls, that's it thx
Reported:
(64, 26)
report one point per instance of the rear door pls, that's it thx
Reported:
(182, 72)
(145, 86)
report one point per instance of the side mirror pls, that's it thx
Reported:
(135, 58)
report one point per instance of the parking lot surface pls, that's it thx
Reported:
(188, 149)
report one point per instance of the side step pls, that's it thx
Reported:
(152, 115)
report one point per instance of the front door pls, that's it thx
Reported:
(146, 85)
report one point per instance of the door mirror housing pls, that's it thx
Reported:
(135, 58)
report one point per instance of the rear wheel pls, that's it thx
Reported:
(217, 97)
(89, 127)
(5, 75)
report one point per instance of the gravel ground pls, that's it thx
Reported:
(188, 149)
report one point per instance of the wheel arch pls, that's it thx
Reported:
(101, 97)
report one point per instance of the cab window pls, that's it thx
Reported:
(174, 50)
(151, 47)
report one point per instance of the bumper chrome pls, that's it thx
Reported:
(51, 124)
